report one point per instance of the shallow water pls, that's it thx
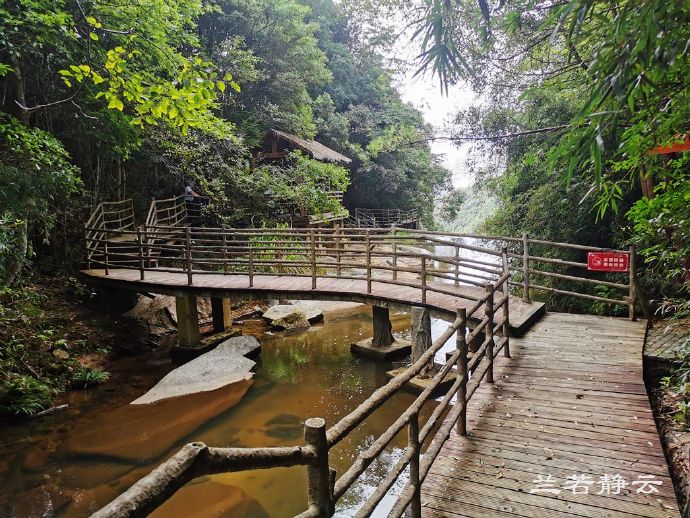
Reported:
(72, 463)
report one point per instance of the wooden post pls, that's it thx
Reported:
(140, 252)
(338, 231)
(105, 253)
(251, 262)
(188, 251)
(395, 253)
(525, 267)
(368, 245)
(423, 279)
(506, 293)
(421, 338)
(313, 258)
(461, 346)
(319, 494)
(187, 321)
(381, 323)
(457, 265)
(225, 246)
(632, 291)
(414, 445)
(221, 312)
(489, 331)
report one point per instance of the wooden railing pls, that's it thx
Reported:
(325, 488)
(374, 254)
(384, 255)
(377, 255)
(384, 218)
(116, 215)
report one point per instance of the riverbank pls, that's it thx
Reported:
(63, 464)
(57, 335)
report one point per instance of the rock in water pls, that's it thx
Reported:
(294, 320)
(290, 314)
(222, 366)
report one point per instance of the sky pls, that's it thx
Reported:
(424, 93)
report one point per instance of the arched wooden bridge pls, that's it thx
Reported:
(558, 425)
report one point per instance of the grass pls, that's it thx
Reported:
(85, 377)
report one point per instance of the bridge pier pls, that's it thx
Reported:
(188, 333)
(421, 343)
(421, 338)
(382, 346)
(221, 312)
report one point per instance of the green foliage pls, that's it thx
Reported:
(140, 99)
(23, 396)
(468, 210)
(35, 173)
(85, 377)
(679, 383)
(661, 226)
(36, 178)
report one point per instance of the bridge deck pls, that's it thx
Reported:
(522, 314)
(571, 400)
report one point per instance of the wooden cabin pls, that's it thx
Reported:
(276, 146)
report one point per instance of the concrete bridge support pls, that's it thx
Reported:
(221, 311)
(421, 343)
(382, 346)
(382, 327)
(421, 338)
(188, 332)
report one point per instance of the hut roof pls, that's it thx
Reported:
(314, 149)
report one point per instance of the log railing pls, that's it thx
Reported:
(384, 218)
(116, 215)
(428, 261)
(389, 255)
(325, 487)
(386, 256)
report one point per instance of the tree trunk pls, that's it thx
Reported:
(647, 184)
(20, 91)
(17, 260)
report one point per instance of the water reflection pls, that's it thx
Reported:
(71, 464)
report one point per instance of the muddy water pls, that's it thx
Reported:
(72, 463)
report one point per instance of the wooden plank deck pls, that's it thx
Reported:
(522, 315)
(571, 401)
(667, 340)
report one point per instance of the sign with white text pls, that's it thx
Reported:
(608, 261)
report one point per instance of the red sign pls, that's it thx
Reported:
(608, 261)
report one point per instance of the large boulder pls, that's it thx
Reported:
(159, 314)
(293, 316)
(224, 365)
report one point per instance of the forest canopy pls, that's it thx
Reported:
(574, 98)
(107, 101)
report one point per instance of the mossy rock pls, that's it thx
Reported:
(295, 320)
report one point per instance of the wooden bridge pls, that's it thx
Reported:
(559, 424)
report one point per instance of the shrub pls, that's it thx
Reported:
(85, 377)
(23, 396)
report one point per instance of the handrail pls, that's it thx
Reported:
(335, 245)
(374, 255)
(385, 217)
(196, 459)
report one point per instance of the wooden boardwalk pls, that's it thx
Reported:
(442, 305)
(571, 401)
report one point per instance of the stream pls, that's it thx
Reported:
(74, 462)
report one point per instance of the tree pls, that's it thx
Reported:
(35, 179)
(623, 70)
